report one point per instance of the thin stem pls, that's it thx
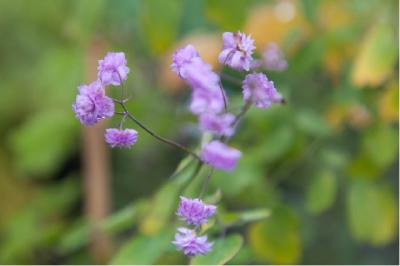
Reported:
(223, 96)
(244, 110)
(206, 182)
(232, 79)
(167, 141)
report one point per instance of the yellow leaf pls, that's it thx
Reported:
(277, 239)
(389, 103)
(377, 56)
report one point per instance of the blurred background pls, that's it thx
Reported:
(325, 165)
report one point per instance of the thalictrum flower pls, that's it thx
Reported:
(260, 91)
(120, 137)
(195, 211)
(220, 156)
(112, 69)
(191, 244)
(91, 104)
(237, 50)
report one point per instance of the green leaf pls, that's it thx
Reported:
(39, 224)
(217, 12)
(42, 143)
(372, 213)
(277, 239)
(321, 193)
(224, 249)
(380, 144)
(144, 250)
(376, 57)
(309, 8)
(166, 199)
(78, 236)
(248, 216)
(275, 144)
(159, 23)
(312, 123)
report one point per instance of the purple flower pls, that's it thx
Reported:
(194, 211)
(120, 137)
(206, 101)
(181, 58)
(220, 156)
(273, 58)
(260, 91)
(191, 244)
(200, 76)
(237, 49)
(217, 124)
(92, 104)
(112, 69)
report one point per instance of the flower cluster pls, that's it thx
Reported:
(209, 100)
(92, 104)
(193, 212)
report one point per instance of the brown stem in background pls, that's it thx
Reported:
(96, 172)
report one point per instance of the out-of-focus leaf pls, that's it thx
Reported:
(277, 239)
(372, 213)
(159, 23)
(389, 103)
(165, 201)
(276, 143)
(224, 249)
(85, 18)
(124, 218)
(217, 11)
(334, 158)
(322, 192)
(361, 167)
(144, 250)
(245, 174)
(38, 224)
(377, 56)
(249, 216)
(78, 235)
(43, 142)
(380, 144)
(312, 123)
(309, 8)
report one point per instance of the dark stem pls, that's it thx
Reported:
(223, 96)
(167, 141)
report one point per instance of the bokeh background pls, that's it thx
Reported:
(324, 166)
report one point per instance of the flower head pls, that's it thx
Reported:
(120, 137)
(273, 58)
(217, 124)
(237, 50)
(195, 211)
(206, 102)
(260, 91)
(92, 104)
(220, 156)
(112, 69)
(200, 76)
(181, 58)
(191, 244)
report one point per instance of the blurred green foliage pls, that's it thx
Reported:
(318, 180)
